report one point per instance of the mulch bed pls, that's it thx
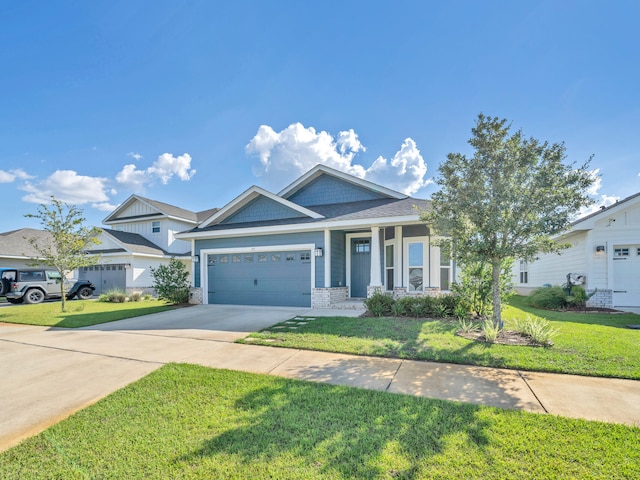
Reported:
(506, 337)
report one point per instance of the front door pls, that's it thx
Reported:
(360, 266)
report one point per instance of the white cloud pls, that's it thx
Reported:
(405, 173)
(12, 175)
(164, 168)
(601, 200)
(67, 186)
(136, 156)
(286, 154)
(104, 206)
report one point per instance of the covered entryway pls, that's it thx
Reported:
(626, 276)
(274, 278)
(105, 277)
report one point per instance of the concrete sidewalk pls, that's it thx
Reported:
(48, 374)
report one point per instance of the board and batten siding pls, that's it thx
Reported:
(327, 190)
(316, 238)
(137, 209)
(552, 268)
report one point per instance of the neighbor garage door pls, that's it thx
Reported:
(626, 276)
(105, 277)
(260, 278)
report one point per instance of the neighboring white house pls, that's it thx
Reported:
(141, 237)
(604, 254)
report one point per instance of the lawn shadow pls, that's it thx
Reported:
(334, 430)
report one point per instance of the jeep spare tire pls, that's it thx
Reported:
(5, 285)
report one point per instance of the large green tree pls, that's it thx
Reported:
(507, 200)
(69, 239)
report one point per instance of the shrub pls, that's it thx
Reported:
(475, 286)
(450, 302)
(466, 326)
(539, 329)
(171, 281)
(113, 296)
(553, 298)
(579, 297)
(397, 309)
(490, 331)
(135, 297)
(379, 304)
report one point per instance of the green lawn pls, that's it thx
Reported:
(80, 313)
(589, 344)
(186, 421)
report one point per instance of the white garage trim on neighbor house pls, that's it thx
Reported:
(604, 250)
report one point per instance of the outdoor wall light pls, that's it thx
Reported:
(127, 266)
(195, 259)
(318, 252)
(600, 249)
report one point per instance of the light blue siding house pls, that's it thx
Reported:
(325, 238)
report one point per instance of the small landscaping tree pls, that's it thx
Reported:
(507, 200)
(69, 241)
(171, 281)
(475, 286)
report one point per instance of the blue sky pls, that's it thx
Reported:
(192, 102)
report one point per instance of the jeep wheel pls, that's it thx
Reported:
(5, 286)
(15, 301)
(34, 295)
(85, 293)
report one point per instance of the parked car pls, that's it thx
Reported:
(35, 285)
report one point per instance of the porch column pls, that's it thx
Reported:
(397, 260)
(327, 258)
(375, 258)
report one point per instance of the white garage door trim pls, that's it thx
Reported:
(204, 260)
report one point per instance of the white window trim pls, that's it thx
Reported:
(392, 242)
(425, 261)
(204, 260)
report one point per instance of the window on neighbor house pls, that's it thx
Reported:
(388, 265)
(445, 271)
(155, 227)
(524, 271)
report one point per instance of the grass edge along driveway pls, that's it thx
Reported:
(187, 421)
(80, 313)
(590, 344)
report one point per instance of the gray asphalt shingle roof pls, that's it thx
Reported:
(380, 208)
(134, 243)
(15, 243)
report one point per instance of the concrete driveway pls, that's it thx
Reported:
(225, 323)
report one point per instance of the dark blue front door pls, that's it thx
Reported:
(360, 266)
(261, 278)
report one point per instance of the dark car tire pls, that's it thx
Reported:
(5, 285)
(33, 296)
(15, 301)
(85, 293)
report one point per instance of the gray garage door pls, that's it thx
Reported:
(105, 277)
(264, 278)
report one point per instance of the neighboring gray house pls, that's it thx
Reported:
(15, 249)
(327, 237)
(141, 237)
(604, 254)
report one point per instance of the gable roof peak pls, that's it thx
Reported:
(249, 195)
(321, 169)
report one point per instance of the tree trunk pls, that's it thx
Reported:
(496, 267)
(63, 298)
